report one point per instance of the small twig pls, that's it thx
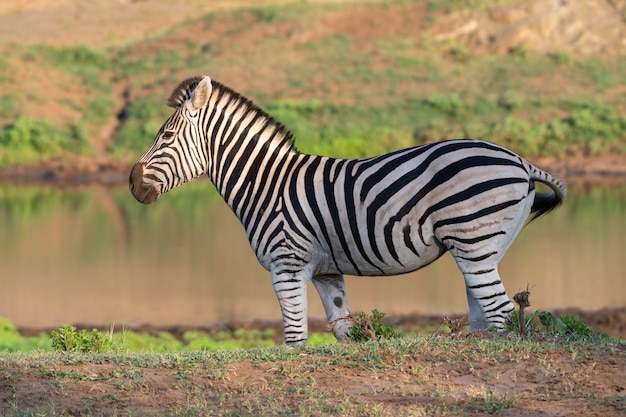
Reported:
(454, 324)
(522, 299)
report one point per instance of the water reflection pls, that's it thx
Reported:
(94, 255)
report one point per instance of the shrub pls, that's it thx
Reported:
(67, 339)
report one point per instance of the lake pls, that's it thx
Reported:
(93, 255)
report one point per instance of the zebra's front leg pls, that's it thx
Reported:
(290, 288)
(332, 291)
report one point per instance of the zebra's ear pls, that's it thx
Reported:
(202, 93)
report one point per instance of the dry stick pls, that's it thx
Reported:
(522, 299)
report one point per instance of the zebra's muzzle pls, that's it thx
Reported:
(143, 191)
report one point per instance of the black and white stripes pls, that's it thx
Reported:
(314, 218)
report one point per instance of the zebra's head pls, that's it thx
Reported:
(177, 154)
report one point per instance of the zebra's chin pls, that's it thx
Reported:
(146, 195)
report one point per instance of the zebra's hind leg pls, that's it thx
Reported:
(332, 291)
(488, 302)
(290, 288)
(489, 305)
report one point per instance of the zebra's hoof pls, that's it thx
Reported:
(341, 329)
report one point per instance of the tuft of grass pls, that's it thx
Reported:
(496, 403)
(567, 326)
(371, 327)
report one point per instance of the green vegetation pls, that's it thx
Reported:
(143, 119)
(371, 327)
(29, 139)
(540, 323)
(67, 339)
(332, 91)
(85, 63)
(12, 341)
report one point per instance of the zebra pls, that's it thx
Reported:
(316, 218)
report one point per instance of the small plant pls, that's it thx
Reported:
(529, 325)
(67, 339)
(542, 321)
(567, 325)
(372, 327)
(496, 403)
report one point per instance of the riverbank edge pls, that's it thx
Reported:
(611, 320)
(110, 170)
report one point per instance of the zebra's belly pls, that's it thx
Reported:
(407, 261)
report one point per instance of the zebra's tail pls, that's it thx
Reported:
(548, 201)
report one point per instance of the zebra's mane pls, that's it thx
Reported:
(185, 89)
(183, 92)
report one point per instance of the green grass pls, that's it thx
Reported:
(380, 354)
(67, 338)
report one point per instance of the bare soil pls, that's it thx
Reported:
(558, 382)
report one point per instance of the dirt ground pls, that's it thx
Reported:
(462, 375)
(466, 378)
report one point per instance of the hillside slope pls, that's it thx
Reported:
(530, 75)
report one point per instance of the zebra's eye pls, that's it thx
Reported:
(168, 134)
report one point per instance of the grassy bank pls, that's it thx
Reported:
(342, 92)
(399, 377)
(69, 339)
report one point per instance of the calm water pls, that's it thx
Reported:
(95, 256)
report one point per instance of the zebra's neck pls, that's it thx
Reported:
(246, 147)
